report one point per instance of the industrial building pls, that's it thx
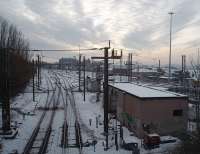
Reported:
(148, 110)
(68, 63)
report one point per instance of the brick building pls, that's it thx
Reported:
(143, 109)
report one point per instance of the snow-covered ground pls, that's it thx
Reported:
(89, 110)
(25, 123)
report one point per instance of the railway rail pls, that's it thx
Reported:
(38, 142)
(72, 134)
(71, 140)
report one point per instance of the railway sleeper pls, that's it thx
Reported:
(64, 139)
(78, 135)
(31, 141)
(45, 142)
(50, 108)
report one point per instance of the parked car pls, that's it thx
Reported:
(131, 147)
(151, 141)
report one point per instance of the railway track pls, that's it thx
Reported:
(64, 139)
(71, 128)
(71, 141)
(38, 142)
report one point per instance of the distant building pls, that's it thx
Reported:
(120, 70)
(147, 110)
(92, 84)
(139, 73)
(68, 63)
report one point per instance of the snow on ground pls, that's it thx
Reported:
(88, 109)
(25, 123)
(20, 105)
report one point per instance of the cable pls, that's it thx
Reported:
(61, 50)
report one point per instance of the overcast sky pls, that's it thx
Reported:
(141, 25)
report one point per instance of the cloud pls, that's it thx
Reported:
(137, 24)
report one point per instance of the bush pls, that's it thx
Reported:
(190, 144)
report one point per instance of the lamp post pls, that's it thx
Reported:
(170, 44)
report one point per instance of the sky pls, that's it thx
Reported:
(137, 26)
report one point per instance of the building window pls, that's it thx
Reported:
(177, 113)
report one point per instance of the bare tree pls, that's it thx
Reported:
(17, 46)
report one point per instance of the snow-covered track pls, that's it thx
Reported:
(38, 142)
(72, 119)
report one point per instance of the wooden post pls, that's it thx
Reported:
(79, 74)
(106, 95)
(121, 67)
(33, 76)
(84, 78)
(38, 71)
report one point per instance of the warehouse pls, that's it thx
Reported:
(148, 110)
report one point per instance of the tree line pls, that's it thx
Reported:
(14, 52)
